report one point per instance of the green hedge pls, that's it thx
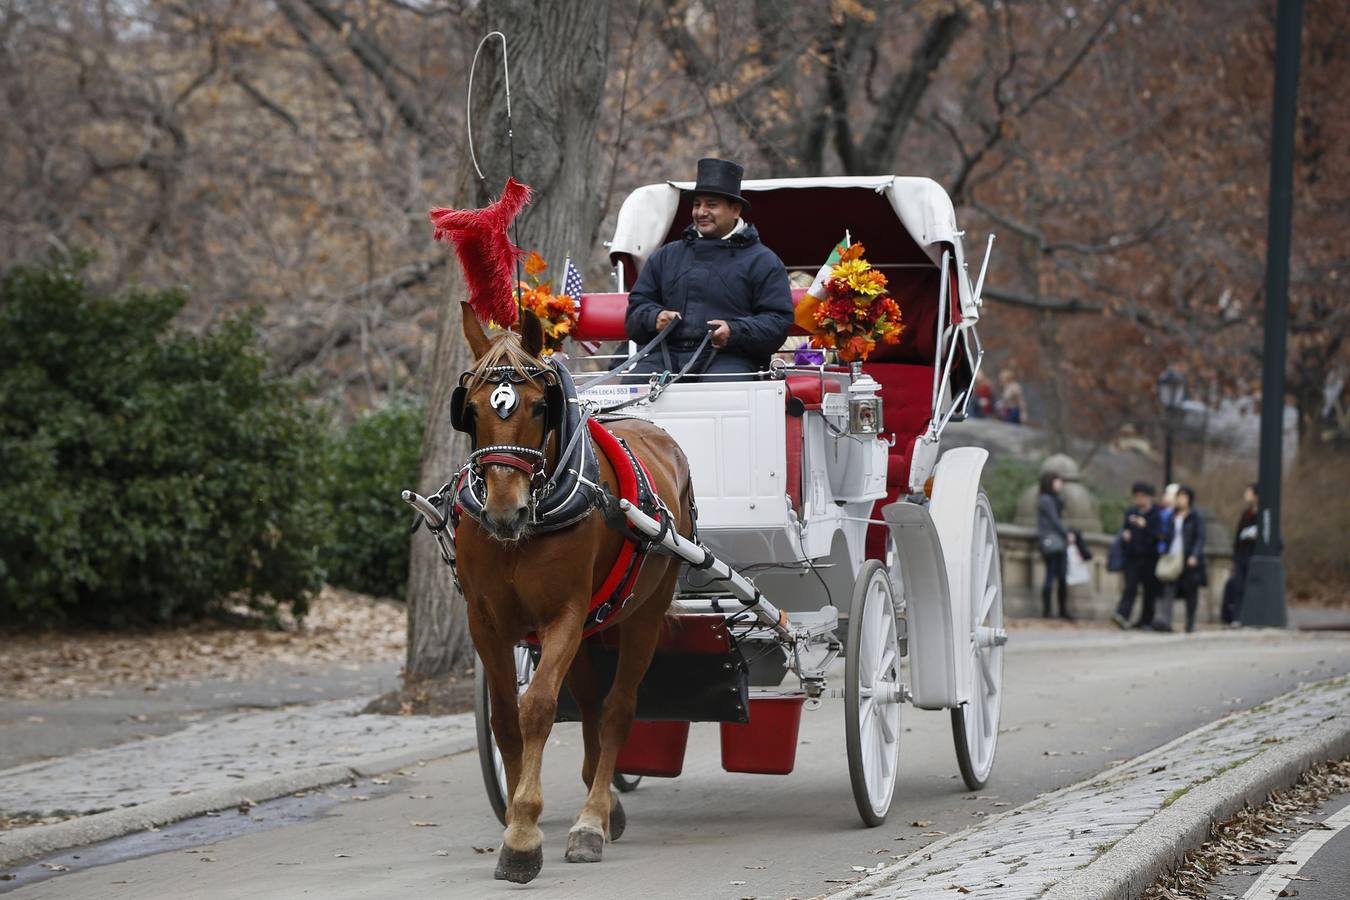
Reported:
(145, 473)
(369, 463)
(1004, 481)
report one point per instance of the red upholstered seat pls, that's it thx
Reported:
(601, 318)
(906, 404)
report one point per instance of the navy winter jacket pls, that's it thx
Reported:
(1144, 539)
(738, 280)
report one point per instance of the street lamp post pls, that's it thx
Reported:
(1171, 394)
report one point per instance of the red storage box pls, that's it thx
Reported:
(767, 744)
(654, 748)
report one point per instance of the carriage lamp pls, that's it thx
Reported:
(864, 406)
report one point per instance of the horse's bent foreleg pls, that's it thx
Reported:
(602, 815)
(522, 853)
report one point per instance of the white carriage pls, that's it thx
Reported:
(794, 472)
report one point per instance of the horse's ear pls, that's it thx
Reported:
(531, 333)
(473, 331)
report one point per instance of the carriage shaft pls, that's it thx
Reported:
(696, 554)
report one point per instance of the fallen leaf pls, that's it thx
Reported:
(475, 849)
(360, 797)
(1052, 753)
(425, 824)
(735, 882)
(419, 796)
(207, 859)
(55, 867)
(444, 852)
(8, 876)
(1156, 769)
(934, 834)
(379, 781)
(753, 867)
(958, 888)
(921, 823)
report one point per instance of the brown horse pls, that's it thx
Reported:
(517, 583)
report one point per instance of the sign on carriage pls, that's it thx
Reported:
(606, 395)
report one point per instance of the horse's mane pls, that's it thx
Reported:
(505, 351)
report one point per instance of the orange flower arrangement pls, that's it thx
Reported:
(856, 314)
(556, 312)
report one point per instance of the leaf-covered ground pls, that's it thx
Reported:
(342, 627)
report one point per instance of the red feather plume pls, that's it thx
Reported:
(485, 251)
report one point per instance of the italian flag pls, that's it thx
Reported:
(806, 310)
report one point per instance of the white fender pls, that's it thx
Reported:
(928, 614)
(956, 487)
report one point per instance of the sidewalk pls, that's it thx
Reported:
(213, 765)
(1115, 833)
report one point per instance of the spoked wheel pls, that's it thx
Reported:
(626, 784)
(489, 757)
(872, 694)
(975, 724)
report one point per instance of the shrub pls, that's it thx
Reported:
(1004, 482)
(369, 463)
(145, 474)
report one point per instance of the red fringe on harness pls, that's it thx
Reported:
(485, 251)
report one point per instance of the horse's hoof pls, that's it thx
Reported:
(618, 820)
(519, 866)
(584, 846)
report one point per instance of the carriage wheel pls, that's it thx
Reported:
(489, 757)
(975, 724)
(872, 694)
(626, 783)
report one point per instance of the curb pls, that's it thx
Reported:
(39, 840)
(1161, 843)
(1163, 852)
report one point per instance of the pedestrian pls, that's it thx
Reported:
(1011, 401)
(1244, 546)
(982, 399)
(1141, 531)
(1185, 537)
(1165, 503)
(1054, 540)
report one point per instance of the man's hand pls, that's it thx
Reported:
(665, 317)
(1125, 535)
(721, 333)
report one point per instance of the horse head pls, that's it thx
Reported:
(510, 404)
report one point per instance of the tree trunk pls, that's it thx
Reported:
(558, 54)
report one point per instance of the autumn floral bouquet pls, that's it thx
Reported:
(853, 313)
(556, 312)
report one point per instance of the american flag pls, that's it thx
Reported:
(572, 287)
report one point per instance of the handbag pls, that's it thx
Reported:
(1115, 557)
(1078, 571)
(1053, 543)
(1169, 567)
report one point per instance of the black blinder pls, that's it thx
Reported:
(459, 416)
(557, 404)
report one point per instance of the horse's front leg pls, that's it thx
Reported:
(498, 659)
(522, 854)
(602, 816)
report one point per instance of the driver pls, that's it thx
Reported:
(717, 277)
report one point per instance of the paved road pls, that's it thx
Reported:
(1075, 703)
(1315, 861)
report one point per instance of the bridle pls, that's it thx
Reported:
(505, 402)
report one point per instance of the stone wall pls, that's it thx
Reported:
(1024, 571)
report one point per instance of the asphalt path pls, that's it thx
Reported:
(1315, 860)
(1075, 702)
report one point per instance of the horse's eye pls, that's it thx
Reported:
(540, 406)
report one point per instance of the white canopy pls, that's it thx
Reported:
(647, 220)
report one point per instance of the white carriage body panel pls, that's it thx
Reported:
(733, 435)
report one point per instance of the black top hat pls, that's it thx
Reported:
(721, 177)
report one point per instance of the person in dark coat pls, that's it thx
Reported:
(1141, 531)
(718, 277)
(1244, 547)
(1054, 540)
(1185, 534)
